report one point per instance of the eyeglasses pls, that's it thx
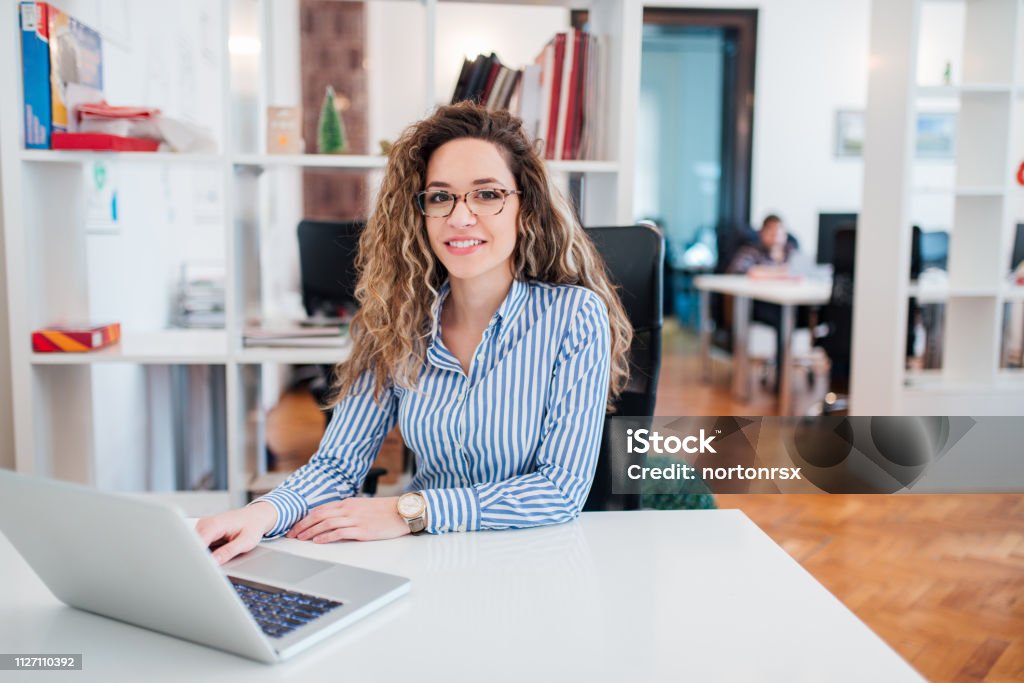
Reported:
(482, 202)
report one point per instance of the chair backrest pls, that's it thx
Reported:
(838, 314)
(635, 257)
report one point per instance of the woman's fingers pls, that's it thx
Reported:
(349, 533)
(329, 524)
(241, 544)
(209, 529)
(315, 517)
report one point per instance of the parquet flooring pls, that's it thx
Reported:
(940, 578)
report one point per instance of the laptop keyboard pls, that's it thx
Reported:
(278, 611)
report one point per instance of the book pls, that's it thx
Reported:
(547, 67)
(76, 67)
(502, 91)
(497, 87)
(565, 84)
(581, 94)
(558, 60)
(492, 75)
(509, 89)
(573, 104)
(528, 106)
(75, 338)
(591, 138)
(460, 86)
(477, 77)
(35, 73)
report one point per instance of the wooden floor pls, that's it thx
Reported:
(939, 577)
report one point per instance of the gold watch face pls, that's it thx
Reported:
(411, 505)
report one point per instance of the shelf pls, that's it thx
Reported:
(965, 89)
(1013, 292)
(169, 347)
(352, 161)
(933, 382)
(357, 161)
(994, 191)
(56, 156)
(326, 355)
(940, 293)
(583, 166)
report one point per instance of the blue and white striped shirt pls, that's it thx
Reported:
(513, 444)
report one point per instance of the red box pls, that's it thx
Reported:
(102, 142)
(75, 338)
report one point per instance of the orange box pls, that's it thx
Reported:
(75, 338)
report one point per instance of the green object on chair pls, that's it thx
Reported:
(674, 494)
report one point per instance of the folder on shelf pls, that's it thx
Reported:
(293, 335)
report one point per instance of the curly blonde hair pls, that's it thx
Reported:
(399, 274)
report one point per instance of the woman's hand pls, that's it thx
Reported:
(352, 519)
(242, 529)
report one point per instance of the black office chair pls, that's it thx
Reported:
(837, 316)
(635, 256)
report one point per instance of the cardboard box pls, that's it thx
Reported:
(284, 130)
(62, 66)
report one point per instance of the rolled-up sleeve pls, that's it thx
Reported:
(337, 469)
(566, 456)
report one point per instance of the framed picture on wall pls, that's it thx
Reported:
(849, 133)
(935, 136)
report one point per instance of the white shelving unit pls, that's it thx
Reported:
(56, 396)
(971, 381)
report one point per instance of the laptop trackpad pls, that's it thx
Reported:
(279, 567)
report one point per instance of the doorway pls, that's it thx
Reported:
(694, 140)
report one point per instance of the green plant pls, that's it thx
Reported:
(331, 130)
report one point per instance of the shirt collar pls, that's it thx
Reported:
(506, 313)
(513, 303)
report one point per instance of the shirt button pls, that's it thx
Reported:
(480, 358)
(458, 446)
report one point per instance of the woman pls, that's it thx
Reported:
(487, 329)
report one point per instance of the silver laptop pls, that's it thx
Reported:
(139, 561)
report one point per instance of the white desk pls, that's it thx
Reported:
(788, 294)
(615, 596)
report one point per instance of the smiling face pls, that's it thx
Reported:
(473, 248)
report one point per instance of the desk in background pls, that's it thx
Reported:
(788, 294)
(700, 595)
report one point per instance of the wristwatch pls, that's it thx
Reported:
(412, 507)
